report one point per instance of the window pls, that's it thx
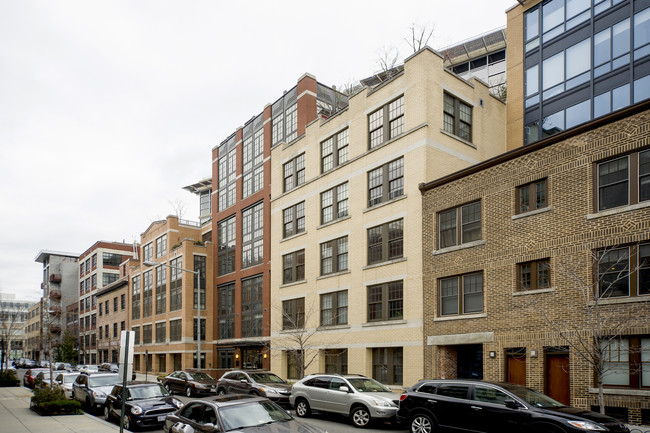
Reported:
(195, 329)
(94, 260)
(532, 196)
(199, 266)
(161, 289)
(468, 300)
(115, 304)
(467, 217)
(226, 238)
(110, 259)
(135, 298)
(334, 203)
(106, 280)
(176, 284)
(624, 271)
(334, 256)
(146, 333)
(106, 303)
(122, 302)
(624, 181)
(388, 365)
(161, 246)
(336, 361)
(386, 182)
(175, 328)
(386, 301)
(293, 313)
(294, 172)
(253, 235)
(147, 252)
(227, 174)
(226, 310)
(161, 332)
(534, 275)
(386, 123)
(457, 117)
(627, 362)
(291, 123)
(566, 69)
(93, 280)
(147, 294)
(251, 316)
(334, 308)
(293, 220)
(253, 163)
(386, 242)
(611, 48)
(334, 151)
(295, 361)
(114, 330)
(293, 267)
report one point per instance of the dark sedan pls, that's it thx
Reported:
(147, 404)
(189, 383)
(492, 407)
(242, 413)
(255, 382)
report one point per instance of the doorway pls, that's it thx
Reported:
(516, 365)
(558, 376)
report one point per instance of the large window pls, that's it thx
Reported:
(624, 181)
(195, 330)
(566, 69)
(532, 196)
(534, 275)
(284, 115)
(293, 220)
(135, 298)
(461, 294)
(293, 313)
(107, 278)
(147, 294)
(161, 246)
(110, 259)
(146, 333)
(334, 151)
(175, 330)
(253, 235)
(334, 203)
(386, 123)
(252, 307)
(147, 252)
(388, 365)
(226, 237)
(624, 271)
(386, 182)
(627, 362)
(253, 163)
(227, 185)
(161, 289)
(161, 332)
(226, 310)
(293, 267)
(176, 285)
(467, 217)
(386, 301)
(199, 266)
(294, 172)
(334, 256)
(386, 242)
(334, 308)
(336, 361)
(457, 117)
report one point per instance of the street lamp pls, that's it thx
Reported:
(150, 263)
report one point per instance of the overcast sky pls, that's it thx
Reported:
(109, 108)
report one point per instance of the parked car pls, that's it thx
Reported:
(241, 413)
(91, 389)
(190, 383)
(88, 368)
(361, 398)
(30, 375)
(256, 382)
(29, 363)
(482, 406)
(63, 366)
(64, 381)
(109, 366)
(147, 404)
(42, 379)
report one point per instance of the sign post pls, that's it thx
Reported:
(127, 339)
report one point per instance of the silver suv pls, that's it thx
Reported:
(91, 389)
(361, 398)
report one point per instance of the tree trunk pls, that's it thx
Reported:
(601, 396)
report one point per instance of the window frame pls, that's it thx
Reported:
(337, 253)
(296, 221)
(386, 122)
(635, 271)
(531, 191)
(459, 234)
(340, 148)
(629, 360)
(460, 294)
(385, 182)
(385, 243)
(226, 245)
(536, 267)
(293, 314)
(339, 318)
(226, 317)
(293, 170)
(456, 125)
(633, 180)
(297, 267)
(384, 302)
(252, 235)
(336, 203)
(391, 371)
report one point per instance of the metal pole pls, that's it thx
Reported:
(198, 309)
(125, 362)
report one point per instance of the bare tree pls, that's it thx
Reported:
(420, 36)
(595, 327)
(12, 321)
(178, 208)
(387, 59)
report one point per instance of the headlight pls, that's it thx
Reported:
(136, 410)
(587, 425)
(177, 403)
(381, 403)
(269, 390)
(99, 394)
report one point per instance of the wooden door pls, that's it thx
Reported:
(557, 377)
(516, 369)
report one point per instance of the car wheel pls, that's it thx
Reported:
(127, 424)
(188, 391)
(168, 388)
(302, 408)
(107, 413)
(221, 391)
(360, 416)
(421, 423)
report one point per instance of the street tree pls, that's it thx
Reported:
(420, 36)
(66, 350)
(13, 316)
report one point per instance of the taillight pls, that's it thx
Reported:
(402, 397)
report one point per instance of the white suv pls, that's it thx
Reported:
(361, 398)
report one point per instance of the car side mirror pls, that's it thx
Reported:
(344, 388)
(209, 428)
(244, 381)
(512, 404)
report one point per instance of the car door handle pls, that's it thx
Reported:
(476, 407)
(432, 401)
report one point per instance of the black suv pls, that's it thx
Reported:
(492, 407)
(147, 404)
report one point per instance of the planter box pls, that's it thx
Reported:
(58, 407)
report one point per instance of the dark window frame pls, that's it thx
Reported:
(379, 240)
(339, 313)
(532, 196)
(296, 270)
(453, 110)
(535, 270)
(384, 180)
(636, 173)
(337, 254)
(460, 234)
(340, 207)
(293, 173)
(460, 294)
(386, 123)
(340, 147)
(382, 304)
(631, 269)
(293, 314)
(293, 217)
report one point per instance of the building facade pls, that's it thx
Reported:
(112, 316)
(34, 331)
(346, 220)
(14, 314)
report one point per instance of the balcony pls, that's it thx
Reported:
(55, 329)
(55, 311)
(55, 278)
(55, 294)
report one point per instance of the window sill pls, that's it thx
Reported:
(389, 262)
(618, 210)
(333, 274)
(621, 300)
(620, 391)
(332, 327)
(462, 140)
(384, 323)
(461, 317)
(297, 235)
(386, 203)
(533, 292)
(294, 283)
(531, 213)
(459, 247)
(347, 217)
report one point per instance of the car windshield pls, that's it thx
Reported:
(267, 378)
(368, 385)
(69, 379)
(141, 392)
(533, 397)
(102, 380)
(200, 376)
(252, 415)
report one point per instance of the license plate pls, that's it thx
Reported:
(161, 418)
(213, 390)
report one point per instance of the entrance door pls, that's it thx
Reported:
(516, 368)
(557, 377)
(469, 361)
